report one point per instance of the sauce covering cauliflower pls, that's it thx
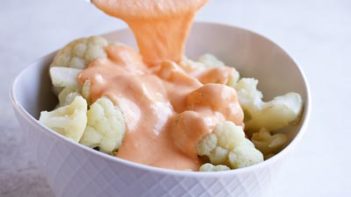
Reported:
(102, 124)
(74, 57)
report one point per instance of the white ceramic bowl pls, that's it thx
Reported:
(74, 170)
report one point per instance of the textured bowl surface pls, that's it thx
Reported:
(73, 170)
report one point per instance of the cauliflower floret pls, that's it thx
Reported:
(269, 144)
(69, 120)
(218, 155)
(249, 96)
(62, 77)
(191, 65)
(244, 155)
(81, 52)
(86, 90)
(229, 135)
(76, 55)
(276, 114)
(210, 60)
(273, 115)
(66, 96)
(227, 145)
(106, 126)
(207, 167)
(208, 69)
(207, 144)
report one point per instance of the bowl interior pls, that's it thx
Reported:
(251, 54)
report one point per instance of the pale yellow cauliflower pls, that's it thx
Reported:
(74, 57)
(66, 96)
(269, 144)
(103, 124)
(62, 77)
(69, 120)
(208, 61)
(208, 167)
(65, 83)
(273, 115)
(85, 90)
(79, 53)
(106, 126)
(227, 145)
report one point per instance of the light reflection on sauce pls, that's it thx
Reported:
(167, 109)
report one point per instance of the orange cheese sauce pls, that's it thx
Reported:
(167, 108)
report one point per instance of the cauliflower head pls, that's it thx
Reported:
(74, 57)
(66, 85)
(273, 115)
(227, 145)
(66, 96)
(269, 144)
(79, 53)
(210, 62)
(105, 128)
(250, 97)
(208, 167)
(62, 77)
(244, 155)
(69, 120)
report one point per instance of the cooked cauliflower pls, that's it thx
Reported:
(69, 120)
(62, 77)
(209, 64)
(74, 57)
(79, 53)
(66, 96)
(207, 167)
(273, 115)
(269, 144)
(103, 125)
(218, 155)
(227, 145)
(244, 155)
(210, 60)
(277, 114)
(85, 90)
(106, 126)
(249, 96)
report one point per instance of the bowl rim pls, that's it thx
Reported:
(143, 167)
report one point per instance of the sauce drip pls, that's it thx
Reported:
(167, 108)
(160, 27)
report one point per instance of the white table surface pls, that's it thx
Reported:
(317, 33)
